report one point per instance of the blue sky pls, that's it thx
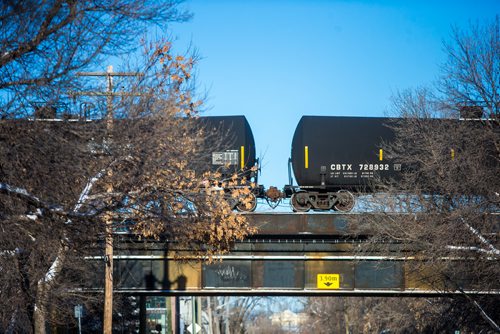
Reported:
(274, 61)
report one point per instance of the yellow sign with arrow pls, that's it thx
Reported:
(328, 281)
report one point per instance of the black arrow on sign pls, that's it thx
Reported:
(328, 283)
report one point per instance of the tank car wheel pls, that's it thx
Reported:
(300, 202)
(345, 201)
(249, 205)
(232, 202)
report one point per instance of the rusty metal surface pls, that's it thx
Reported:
(157, 275)
(285, 248)
(291, 227)
(227, 274)
(295, 292)
(314, 223)
(276, 275)
(284, 258)
(344, 268)
(379, 275)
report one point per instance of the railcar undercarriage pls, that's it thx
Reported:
(303, 201)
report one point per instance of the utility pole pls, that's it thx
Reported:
(108, 253)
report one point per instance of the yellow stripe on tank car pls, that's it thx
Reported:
(381, 154)
(306, 157)
(242, 157)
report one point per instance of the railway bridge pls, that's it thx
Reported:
(291, 254)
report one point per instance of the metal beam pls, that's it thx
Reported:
(305, 292)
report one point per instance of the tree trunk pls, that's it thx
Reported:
(346, 319)
(40, 309)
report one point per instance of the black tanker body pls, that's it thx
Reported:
(230, 149)
(231, 144)
(334, 156)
